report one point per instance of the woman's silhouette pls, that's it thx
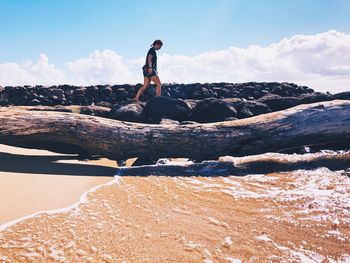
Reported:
(150, 70)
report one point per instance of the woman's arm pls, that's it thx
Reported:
(149, 63)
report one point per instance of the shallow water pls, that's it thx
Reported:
(298, 216)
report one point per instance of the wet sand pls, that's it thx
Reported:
(37, 180)
(296, 216)
(290, 217)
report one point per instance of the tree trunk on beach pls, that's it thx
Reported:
(318, 123)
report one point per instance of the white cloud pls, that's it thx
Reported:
(41, 73)
(101, 67)
(321, 61)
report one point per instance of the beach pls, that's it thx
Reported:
(298, 216)
(36, 180)
(232, 197)
(219, 134)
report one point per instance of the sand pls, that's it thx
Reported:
(300, 216)
(296, 216)
(36, 180)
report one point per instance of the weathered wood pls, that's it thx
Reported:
(317, 123)
(240, 166)
(60, 108)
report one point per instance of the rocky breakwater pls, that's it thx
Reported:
(183, 103)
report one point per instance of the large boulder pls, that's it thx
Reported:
(104, 104)
(34, 102)
(252, 108)
(276, 102)
(236, 103)
(79, 96)
(159, 108)
(4, 102)
(90, 93)
(130, 112)
(3, 97)
(17, 95)
(45, 101)
(121, 94)
(314, 97)
(341, 96)
(105, 91)
(212, 110)
(250, 91)
(95, 111)
(199, 91)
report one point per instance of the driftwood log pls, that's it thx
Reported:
(240, 166)
(318, 123)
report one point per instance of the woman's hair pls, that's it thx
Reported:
(159, 42)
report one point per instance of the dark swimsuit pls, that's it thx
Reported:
(152, 52)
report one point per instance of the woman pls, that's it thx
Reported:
(150, 70)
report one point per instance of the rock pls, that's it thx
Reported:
(314, 97)
(4, 102)
(127, 112)
(105, 91)
(104, 104)
(95, 111)
(68, 94)
(66, 87)
(51, 92)
(44, 101)
(255, 107)
(221, 92)
(248, 108)
(199, 92)
(341, 96)
(34, 102)
(165, 108)
(245, 113)
(212, 110)
(78, 99)
(121, 94)
(17, 95)
(79, 91)
(250, 92)
(192, 103)
(276, 102)
(236, 103)
(280, 90)
(90, 94)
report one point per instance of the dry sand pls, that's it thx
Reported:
(36, 180)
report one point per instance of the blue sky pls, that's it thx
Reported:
(66, 30)
(88, 42)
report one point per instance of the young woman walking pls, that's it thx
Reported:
(150, 70)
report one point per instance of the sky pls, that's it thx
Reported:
(87, 42)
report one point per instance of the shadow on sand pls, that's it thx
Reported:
(48, 165)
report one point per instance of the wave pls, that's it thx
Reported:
(280, 216)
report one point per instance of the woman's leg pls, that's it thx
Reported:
(156, 81)
(146, 83)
